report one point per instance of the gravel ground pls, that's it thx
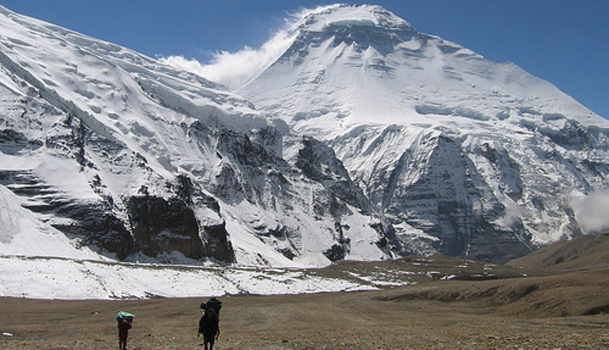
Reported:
(437, 315)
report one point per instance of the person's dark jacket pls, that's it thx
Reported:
(123, 329)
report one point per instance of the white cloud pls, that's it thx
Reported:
(233, 69)
(592, 211)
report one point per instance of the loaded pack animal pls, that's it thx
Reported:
(209, 327)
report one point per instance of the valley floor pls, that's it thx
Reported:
(497, 314)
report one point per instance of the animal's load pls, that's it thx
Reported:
(212, 303)
(122, 315)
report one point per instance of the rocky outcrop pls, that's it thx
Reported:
(160, 226)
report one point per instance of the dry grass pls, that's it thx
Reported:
(564, 311)
(581, 253)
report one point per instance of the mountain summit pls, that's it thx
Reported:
(458, 154)
(354, 64)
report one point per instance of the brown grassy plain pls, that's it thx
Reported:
(542, 311)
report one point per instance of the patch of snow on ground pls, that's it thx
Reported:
(57, 278)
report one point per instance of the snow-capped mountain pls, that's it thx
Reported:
(368, 141)
(108, 154)
(456, 154)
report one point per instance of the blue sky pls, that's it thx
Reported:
(563, 41)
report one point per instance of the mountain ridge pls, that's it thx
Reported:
(579, 254)
(143, 162)
(368, 141)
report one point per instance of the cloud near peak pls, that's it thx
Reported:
(233, 69)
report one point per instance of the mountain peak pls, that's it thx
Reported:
(443, 141)
(360, 26)
(345, 15)
(346, 63)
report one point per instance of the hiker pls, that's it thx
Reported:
(123, 333)
(213, 304)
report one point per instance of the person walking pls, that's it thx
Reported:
(123, 333)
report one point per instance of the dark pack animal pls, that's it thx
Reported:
(209, 326)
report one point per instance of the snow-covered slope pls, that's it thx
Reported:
(456, 153)
(105, 152)
(351, 64)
